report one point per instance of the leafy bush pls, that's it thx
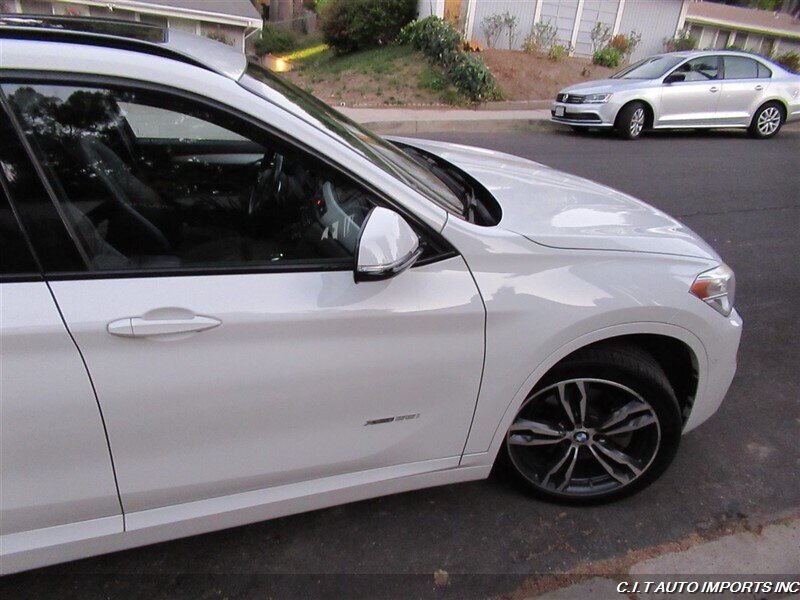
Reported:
(493, 27)
(442, 44)
(608, 57)
(436, 38)
(275, 40)
(626, 44)
(542, 38)
(350, 25)
(789, 60)
(469, 74)
(558, 51)
(600, 35)
(682, 41)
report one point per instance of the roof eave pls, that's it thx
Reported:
(785, 33)
(175, 11)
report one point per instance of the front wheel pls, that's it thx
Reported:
(631, 121)
(602, 425)
(767, 121)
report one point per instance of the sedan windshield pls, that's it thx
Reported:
(380, 152)
(650, 68)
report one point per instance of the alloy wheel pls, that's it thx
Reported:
(769, 120)
(584, 437)
(637, 122)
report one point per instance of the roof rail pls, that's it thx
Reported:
(110, 33)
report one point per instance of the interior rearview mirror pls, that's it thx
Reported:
(675, 77)
(387, 246)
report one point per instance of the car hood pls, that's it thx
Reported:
(604, 85)
(555, 209)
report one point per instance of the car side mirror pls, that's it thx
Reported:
(675, 77)
(387, 246)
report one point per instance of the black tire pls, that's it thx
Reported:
(767, 121)
(631, 121)
(607, 370)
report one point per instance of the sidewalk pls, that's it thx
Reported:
(768, 553)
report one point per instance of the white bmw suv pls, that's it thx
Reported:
(224, 302)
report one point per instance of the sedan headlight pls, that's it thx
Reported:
(716, 288)
(597, 98)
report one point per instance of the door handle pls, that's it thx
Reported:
(140, 327)
(713, 89)
(759, 88)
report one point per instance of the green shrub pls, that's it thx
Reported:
(350, 25)
(557, 52)
(608, 57)
(469, 74)
(275, 40)
(542, 38)
(436, 38)
(681, 42)
(442, 44)
(789, 60)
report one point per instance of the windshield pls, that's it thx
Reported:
(380, 152)
(650, 68)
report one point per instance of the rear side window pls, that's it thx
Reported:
(763, 72)
(739, 67)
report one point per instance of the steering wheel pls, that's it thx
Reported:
(268, 183)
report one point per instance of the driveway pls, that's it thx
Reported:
(741, 195)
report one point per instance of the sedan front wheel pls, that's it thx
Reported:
(604, 424)
(631, 121)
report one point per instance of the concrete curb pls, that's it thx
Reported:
(415, 126)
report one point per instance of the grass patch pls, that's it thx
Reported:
(392, 75)
(378, 61)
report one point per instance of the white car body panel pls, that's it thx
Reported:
(54, 456)
(283, 389)
(556, 209)
(208, 429)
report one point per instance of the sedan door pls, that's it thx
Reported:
(56, 475)
(744, 87)
(691, 100)
(230, 346)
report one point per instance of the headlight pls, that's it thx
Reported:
(597, 98)
(716, 288)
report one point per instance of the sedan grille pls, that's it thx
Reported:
(570, 98)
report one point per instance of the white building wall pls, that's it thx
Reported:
(561, 14)
(656, 20)
(594, 11)
(523, 10)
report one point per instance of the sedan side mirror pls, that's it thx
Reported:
(387, 246)
(675, 77)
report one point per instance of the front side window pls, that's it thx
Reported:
(149, 181)
(705, 68)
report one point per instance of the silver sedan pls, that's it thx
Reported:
(701, 89)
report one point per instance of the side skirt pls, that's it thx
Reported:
(42, 547)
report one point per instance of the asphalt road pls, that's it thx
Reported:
(743, 196)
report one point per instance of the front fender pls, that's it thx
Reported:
(473, 456)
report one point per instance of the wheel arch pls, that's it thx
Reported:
(774, 100)
(649, 112)
(674, 349)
